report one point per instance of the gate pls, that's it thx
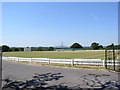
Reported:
(111, 62)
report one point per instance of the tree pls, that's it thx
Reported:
(95, 46)
(38, 49)
(110, 46)
(117, 47)
(21, 49)
(50, 49)
(100, 47)
(76, 45)
(5, 48)
(14, 49)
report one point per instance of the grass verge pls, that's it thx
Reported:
(62, 65)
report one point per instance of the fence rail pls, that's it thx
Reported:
(93, 62)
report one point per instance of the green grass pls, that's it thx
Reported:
(63, 65)
(58, 54)
(79, 66)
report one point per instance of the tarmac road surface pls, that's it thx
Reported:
(18, 75)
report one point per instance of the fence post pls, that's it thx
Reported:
(72, 61)
(5, 58)
(103, 63)
(114, 57)
(30, 60)
(106, 58)
(48, 61)
(17, 59)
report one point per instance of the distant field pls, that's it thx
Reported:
(58, 54)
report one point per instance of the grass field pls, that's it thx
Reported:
(58, 54)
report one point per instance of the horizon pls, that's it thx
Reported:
(58, 45)
(50, 23)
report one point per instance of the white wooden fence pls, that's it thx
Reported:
(94, 62)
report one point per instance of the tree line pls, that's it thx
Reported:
(6, 48)
(94, 46)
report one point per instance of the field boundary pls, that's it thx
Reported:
(89, 62)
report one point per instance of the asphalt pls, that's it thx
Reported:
(17, 75)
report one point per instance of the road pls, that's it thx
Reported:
(55, 77)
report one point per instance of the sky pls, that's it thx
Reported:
(51, 23)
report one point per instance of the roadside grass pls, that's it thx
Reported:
(58, 54)
(63, 65)
(117, 68)
(79, 66)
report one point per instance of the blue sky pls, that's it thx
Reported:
(50, 23)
